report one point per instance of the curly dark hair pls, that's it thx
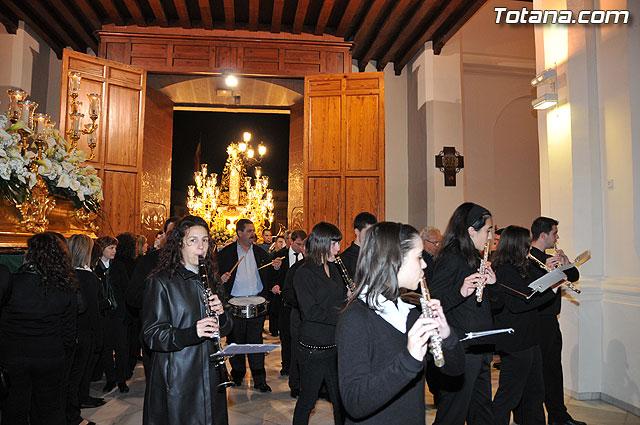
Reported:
(48, 256)
(126, 246)
(171, 252)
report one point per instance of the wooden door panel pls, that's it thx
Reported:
(324, 135)
(361, 194)
(324, 200)
(87, 66)
(362, 132)
(120, 212)
(122, 127)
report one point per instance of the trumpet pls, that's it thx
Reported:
(219, 360)
(483, 270)
(351, 286)
(435, 340)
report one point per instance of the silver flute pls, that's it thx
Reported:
(435, 340)
(483, 270)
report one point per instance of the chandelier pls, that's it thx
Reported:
(238, 195)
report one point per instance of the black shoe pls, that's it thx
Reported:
(122, 386)
(324, 395)
(91, 404)
(284, 372)
(264, 388)
(109, 386)
(294, 393)
(237, 382)
(571, 421)
(96, 399)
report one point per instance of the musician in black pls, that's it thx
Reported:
(321, 294)
(455, 279)
(349, 256)
(544, 233)
(520, 357)
(289, 296)
(291, 255)
(183, 383)
(246, 280)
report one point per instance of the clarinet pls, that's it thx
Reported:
(435, 340)
(218, 361)
(351, 286)
(482, 270)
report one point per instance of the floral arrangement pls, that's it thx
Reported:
(60, 168)
(220, 236)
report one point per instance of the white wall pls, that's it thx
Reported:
(28, 63)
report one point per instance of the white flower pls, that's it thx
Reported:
(74, 185)
(64, 181)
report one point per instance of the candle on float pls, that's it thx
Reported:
(94, 103)
(40, 125)
(74, 82)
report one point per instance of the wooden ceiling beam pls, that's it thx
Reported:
(301, 13)
(407, 31)
(254, 11)
(205, 14)
(158, 12)
(136, 12)
(183, 13)
(42, 32)
(89, 13)
(229, 15)
(323, 18)
(393, 21)
(276, 18)
(53, 22)
(440, 41)
(112, 11)
(347, 18)
(75, 24)
(433, 27)
(365, 30)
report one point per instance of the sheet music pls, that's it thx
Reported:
(548, 280)
(233, 348)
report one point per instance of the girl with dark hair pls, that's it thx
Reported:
(382, 341)
(455, 279)
(113, 281)
(521, 378)
(321, 294)
(182, 384)
(89, 331)
(38, 331)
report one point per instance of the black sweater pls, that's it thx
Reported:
(463, 314)
(350, 259)
(320, 299)
(380, 382)
(517, 312)
(89, 322)
(551, 309)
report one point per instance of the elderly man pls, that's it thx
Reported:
(431, 238)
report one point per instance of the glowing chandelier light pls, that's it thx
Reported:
(238, 195)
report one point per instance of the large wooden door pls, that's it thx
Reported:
(118, 156)
(343, 149)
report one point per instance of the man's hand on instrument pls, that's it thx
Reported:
(552, 262)
(277, 262)
(275, 289)
(225, 277)
(562, 257)
(207, 327)
(216, 304)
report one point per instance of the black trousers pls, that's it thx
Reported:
(294, 367)
(520, 383)
(284, 325)
(218, 398)
(275, 304)
(37, 385)
(85, 381)
(467, 397)
(317, 366)
(247, 331)
(81, 357)
(115, 340)
(551, 349)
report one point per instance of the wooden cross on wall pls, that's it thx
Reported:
(450, 162)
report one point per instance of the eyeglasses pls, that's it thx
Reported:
(433, 242)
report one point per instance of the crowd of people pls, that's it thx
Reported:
(354, 325)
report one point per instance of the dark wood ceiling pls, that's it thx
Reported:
(383, 31)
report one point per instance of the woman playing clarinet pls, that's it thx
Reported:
(183, 382)
(459, 277)
(382, 341)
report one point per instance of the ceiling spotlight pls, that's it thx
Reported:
(548, 76)
(546, 101)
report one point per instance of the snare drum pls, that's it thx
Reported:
(248, 307)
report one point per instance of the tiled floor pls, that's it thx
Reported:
(248, 406)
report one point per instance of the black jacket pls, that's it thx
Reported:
(380, 382)
(178, 391)
(228, 257)
(141, 272)
(89, 322)
(116, 275)
(553, 308)
(350, 259)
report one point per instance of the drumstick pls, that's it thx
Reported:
(268, 264)
(236, 264)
